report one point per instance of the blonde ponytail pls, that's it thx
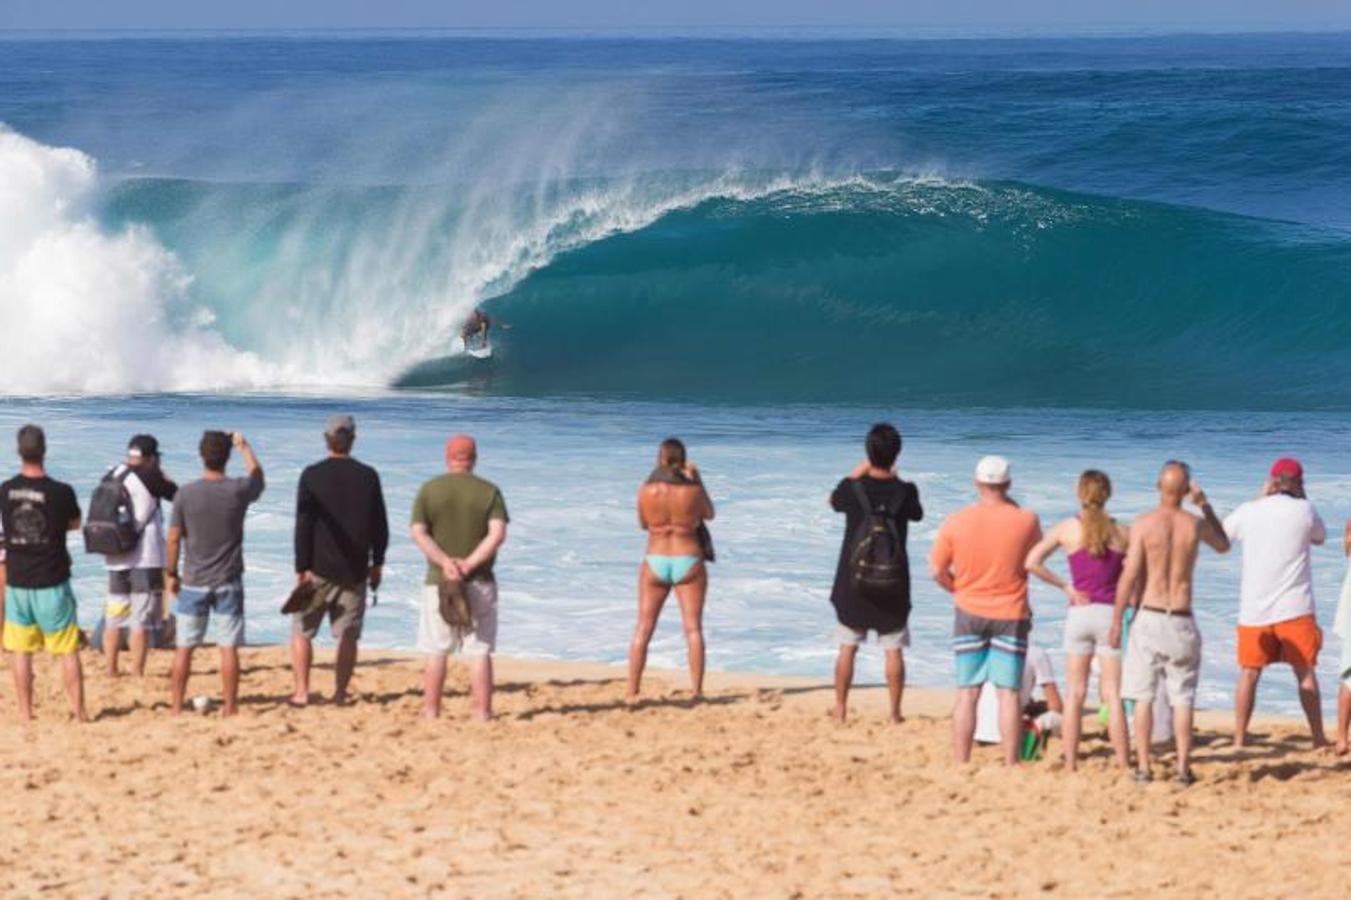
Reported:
(1095, 488)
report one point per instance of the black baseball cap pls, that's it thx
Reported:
(142, 446)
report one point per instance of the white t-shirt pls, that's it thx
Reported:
(1037, 673)
(149, 551)
(1276, 533)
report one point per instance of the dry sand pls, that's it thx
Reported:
(754, 793)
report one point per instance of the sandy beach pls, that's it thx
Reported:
(570, 791)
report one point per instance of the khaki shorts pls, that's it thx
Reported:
(1087, 628)
(344, 605)
(436, 638)
(1162, 647)
(894, 640)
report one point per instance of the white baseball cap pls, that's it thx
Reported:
(993, 470)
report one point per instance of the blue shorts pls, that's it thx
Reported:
(194, 608)
(992, 650)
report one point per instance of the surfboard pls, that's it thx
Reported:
(484, 352)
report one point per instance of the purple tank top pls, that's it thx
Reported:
(1096, 576)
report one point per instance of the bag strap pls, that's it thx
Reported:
(887, 516)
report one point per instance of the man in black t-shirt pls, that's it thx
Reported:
(342, 532)
(887, 614)
(37, 605)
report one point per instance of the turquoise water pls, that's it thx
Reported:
(1074, 252)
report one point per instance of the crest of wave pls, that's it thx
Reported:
(85, 310)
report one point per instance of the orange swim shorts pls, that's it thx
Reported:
(1294, 641)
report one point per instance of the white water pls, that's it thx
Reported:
(304, 289)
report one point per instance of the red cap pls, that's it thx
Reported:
(1287, 466)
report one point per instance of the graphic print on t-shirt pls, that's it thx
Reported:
(28, 518)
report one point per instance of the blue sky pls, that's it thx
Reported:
(943, 16)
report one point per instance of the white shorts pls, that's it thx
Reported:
(1086, 629)
(436, 638)
(1162, 646)
(894, 640)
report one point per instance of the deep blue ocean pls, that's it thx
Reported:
(1074, 252)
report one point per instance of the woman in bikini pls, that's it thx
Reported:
(1095, 546)
(672, 505)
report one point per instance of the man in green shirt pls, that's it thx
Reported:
(459, 523)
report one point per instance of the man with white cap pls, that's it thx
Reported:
(978, 557)
(459, 523)
(1276, 622)
(342, 532)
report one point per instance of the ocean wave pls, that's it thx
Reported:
(747, 286)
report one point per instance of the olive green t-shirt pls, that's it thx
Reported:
(456, 510)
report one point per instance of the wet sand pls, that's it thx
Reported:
(571, 791)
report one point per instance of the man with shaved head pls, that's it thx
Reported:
(459, 523)
(1164, 641)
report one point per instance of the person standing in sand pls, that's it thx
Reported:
(1095, 546)
(208, 528)
(872, 578)
(673, 506)
(342, 533)
(37, 605)
(1276, 621)
(136, 578)
(979, 557)
(459, 524)
(1165, 642)
(1342, 628)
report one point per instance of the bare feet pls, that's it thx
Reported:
(897, 719)
(1342, 747)
(838, 713)
(299, 700)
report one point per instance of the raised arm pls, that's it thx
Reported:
(252, 467)
(1212, 529)
(692, 473)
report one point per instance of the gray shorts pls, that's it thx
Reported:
(436, 638)
(343, 605)
(894, 640)
(135, 599)
(1162, 647)
(1086, 630)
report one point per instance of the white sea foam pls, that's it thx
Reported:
(84, 309)
(327, 300)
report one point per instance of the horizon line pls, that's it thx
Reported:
(724, 32)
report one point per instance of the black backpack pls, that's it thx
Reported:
(111, 525)
(878, 567)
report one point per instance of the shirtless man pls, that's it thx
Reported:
(1164, 639)
(672, 504)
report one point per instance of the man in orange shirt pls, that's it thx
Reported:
(978, 557)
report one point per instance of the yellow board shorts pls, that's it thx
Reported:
(41, 619)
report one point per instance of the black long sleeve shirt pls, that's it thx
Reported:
(342, 528)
